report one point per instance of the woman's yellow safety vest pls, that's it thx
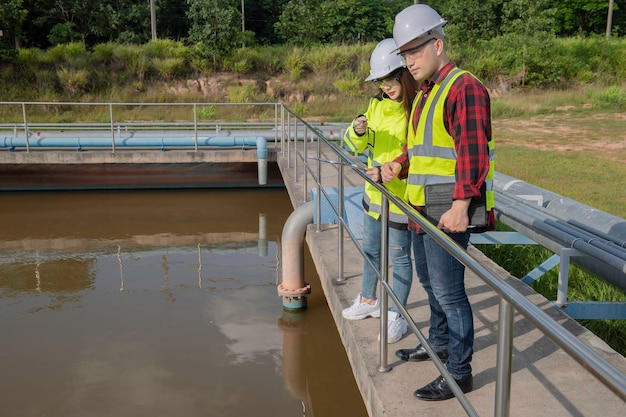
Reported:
(431, 152)
(383, 142)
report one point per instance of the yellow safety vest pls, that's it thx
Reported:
(383, 142)
(431, 151)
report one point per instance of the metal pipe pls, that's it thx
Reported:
(616, 241)
(561, 207)
(530, 220)
(294, 290)
(384, 277)
(504, 360)
(589, 238)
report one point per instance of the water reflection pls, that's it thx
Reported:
(160, 303)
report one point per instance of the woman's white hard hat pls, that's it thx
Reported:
(384, 60)
(416, 21)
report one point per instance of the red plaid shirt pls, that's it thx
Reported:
(467, 119)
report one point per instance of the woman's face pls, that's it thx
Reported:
(392, 88)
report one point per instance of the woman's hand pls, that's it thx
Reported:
(360, 125)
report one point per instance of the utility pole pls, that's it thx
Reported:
(153, 19)
(243, 25)
(609, 19)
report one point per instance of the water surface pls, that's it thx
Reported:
(160, 303)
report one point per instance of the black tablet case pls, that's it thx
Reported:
(439, 200)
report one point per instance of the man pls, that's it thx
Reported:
(449, 141)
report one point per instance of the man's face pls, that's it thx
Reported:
(420, 56)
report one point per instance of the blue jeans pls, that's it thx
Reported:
(399, 253)
(451, 320)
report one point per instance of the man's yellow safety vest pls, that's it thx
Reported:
(431, 152)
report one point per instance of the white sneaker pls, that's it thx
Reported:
(359, 310)
(396, 327)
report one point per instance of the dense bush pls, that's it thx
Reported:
(504, 62)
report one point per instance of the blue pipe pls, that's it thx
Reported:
(77, 142)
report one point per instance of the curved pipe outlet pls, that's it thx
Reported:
(179, 141)
(293, 289)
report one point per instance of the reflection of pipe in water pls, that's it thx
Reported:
(295, 379)
(119, 260)
(37, 277)
(199, 267)
(166, 269)
(262, 235)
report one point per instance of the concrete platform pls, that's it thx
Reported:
(545, 381)
(68, 169)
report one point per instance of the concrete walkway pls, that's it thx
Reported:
(545, 381)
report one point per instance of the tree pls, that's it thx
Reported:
(582, 16)
(260, 17)
(12, 16)
(529, 17)
(472, 19)
(355, 21)
(300, 23)
(304, 22)
(214, 26)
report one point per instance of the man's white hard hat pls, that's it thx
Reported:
(416, 21)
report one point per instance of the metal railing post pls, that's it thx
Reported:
(295, 147)
(25, 127)
(304, 165)
(504, 359)
(318, 203)
(282, 129)
(340, 220)
(195, 127)
(112, 128)
(288, 143)
(384, 277)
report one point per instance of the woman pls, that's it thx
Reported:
(380, 134)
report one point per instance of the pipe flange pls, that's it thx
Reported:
(288, 292)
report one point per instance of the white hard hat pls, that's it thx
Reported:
(384, 60)
(415, 21)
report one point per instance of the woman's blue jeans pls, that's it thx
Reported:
(451, 320)
(399, 252)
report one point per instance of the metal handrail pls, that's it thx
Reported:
(510, 298)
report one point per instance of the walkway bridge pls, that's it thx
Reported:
(531, 358)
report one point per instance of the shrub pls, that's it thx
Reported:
(295, 64)
(168, 68)
(241, 94)
(73, 81)
(612, 97)
(349, 86)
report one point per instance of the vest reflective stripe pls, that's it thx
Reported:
(395, 214)
(490, 194)
(431, 150)
(384, 139)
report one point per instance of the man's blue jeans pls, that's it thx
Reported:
(399, 253)
(451, 320)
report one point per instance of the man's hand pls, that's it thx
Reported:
(456, 219)
(390, 170)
